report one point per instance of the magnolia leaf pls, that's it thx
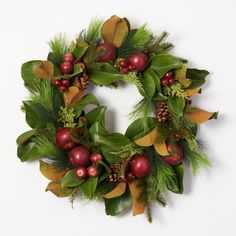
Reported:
(191, 92)
(55, 188)
(73, 95)
(180, 75)
(96, 115)
(45, 70)
(176, 105)
(115, 30)
(136, 190)
(80, 51)
(23, 138)
(148, 83)
(197, 76)
(161, 149)
(89, 186)
(147, 140)
(199, 116)
(51, 172)
(117, 191)
(77, 70)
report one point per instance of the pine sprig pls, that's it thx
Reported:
(175, 90)
(133, 78)
(58, 47)
(67, 116)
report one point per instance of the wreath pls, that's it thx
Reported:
(77, 153)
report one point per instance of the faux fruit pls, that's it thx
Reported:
(140, 166)
(95, 157)
(175, 157)
(81, 172)
(63, 139)
(92, 171)
(66, 67)
(108, 52)
(68, 57)
(79, 156)
(139, 61)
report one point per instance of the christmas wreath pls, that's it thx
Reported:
(77, 153)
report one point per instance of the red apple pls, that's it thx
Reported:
(108, 52)
(175, 157)
(140, 165)
(79, 156)
(63, 139)
(139, 61)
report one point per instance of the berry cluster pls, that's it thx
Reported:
(168, 79)
(67, 64)
(125, 67)
(62, 84)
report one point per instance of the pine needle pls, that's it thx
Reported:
(133, 78)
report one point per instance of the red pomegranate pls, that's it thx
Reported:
(63, 139)
(139, 61)
(140, 165)
(175, 157)
(108, 52)
(79, 156)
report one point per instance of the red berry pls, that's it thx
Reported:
(123, 63)
(140, 166)
(168, 75)
(164, 82)
(69, 57)
(63, 139)
(81, 172)
(57, 82)
(62, 88)
(125, 70)
(139, 61)
(95, 157)
(92, 171)
(175, 157)
(171, 81)
(65, 82)
(124, 180)
(131, 67)
(79, 156)
(66, 67)
(81, 64)
(108, 52)
(130, 176)
(177, 136)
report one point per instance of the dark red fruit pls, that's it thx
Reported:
(125, 70)
(171, 81)
(57, 82)
(140, 165)
(79, 156)
(64, 140)
(124, 180)
(131, 67)
(62, 88)
(81, 64)
(92, 171)
(164, 82)
(175, 157)
(69, 57)
(81, 172)
(65, 82)
(139, 61)
(177, 136)
(95, 157)
(130, 176)
(108, 52)
(123, 63)
(168, 75)
(66, 67)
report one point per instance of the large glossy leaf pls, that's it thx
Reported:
(44, 71)
(89, 186)
(116, 192)
(71, 180)
(199, 116)
(73, 95)
(103, 170)
(148, 139)
(197, 77)
(25, 136)
(115, 206)
(86, 100)
(27, 72)
(148, 83)
(107, 74)
(163, 63)
(96, 115)
(77, 70)
(176, 104)
(56, 189)
(80, 51)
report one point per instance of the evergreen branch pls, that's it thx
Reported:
(175, 90)
(58, 47)
(67, 116)
(133, 78)
(91, 58)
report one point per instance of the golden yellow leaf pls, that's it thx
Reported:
(73, 95)
(139, 204)
(180, 75)
(45, 70)
(148, 139)
(117, 191)
(51, 172)
(199, 116)
(191, 92)
(161, 149)
(55, 188)
(115, 30)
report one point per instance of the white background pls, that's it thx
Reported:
(204, 32)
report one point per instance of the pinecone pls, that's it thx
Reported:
(115, 168)
(162, 112)
(81, 81)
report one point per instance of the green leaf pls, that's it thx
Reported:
(28, 151)
(86, 100)
(107, 74)
(197, 77)
(163, 63)
(103, 170)
(95, 129)
(27, 72)
(71, 180)
(115, 206)
(89, 186)
(159, 97)
(149, 83)
(25, 137)
(96, 115)
(80, 51)
(176, 104)
(137, 129)
(77, 70)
